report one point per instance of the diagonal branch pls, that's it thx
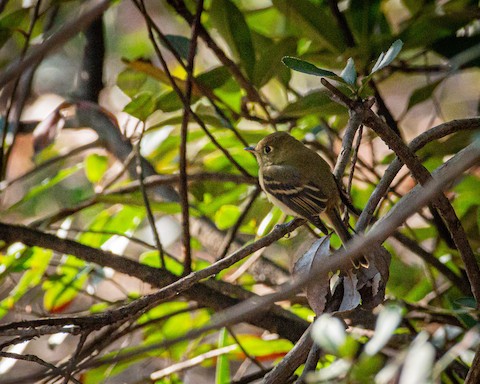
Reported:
(209, 293)
(252, 93)
(256, 306)
(421, 174)
(354, 122)
(186, 246)
(283, 371)
(141, 6)
(416, 144)
(418, 171)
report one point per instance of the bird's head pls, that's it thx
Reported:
(274, 149)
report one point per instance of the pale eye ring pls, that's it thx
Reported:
(267, 149)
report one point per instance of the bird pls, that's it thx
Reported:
(299, 181)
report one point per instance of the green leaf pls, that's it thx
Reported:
(349, 74)
(48, 183)
(37, 261)
(366, 368)
(107, 372)
(162, 310)
(214, 78)
(72, 275)
(386, 58)
(367, 22)
(121, 220)
(313, 103)
(468, 302)
(181, 44)
(14, 260)
(152, 259)
(268, 22)
(308, 68)
(131, 81)
(314, 21)
(423, 93)
(230, 23)
(11, 23)
(433, 28)
(467, 194)
(180, 324)
(269, 63)
(266, 348)
(98, 307)
(222, 369)
(141, 106)
(15, 18)
(95, 167)
(227, 216)
(170, 102)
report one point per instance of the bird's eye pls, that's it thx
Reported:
(267, 149)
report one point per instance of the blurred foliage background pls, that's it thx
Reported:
(68, 172)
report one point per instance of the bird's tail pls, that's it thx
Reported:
(342, 231)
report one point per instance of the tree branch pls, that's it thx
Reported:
(92, 10)
(186, 248)
(208, 293)
(341, 259)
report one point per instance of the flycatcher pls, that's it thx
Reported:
(299, 182)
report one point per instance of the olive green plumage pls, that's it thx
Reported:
(299, 181)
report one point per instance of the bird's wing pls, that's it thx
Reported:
(301, 196)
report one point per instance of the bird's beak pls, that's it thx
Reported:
(250, 149)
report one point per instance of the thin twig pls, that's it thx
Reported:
(311, 363)
(342, 23)
(354, 124)
(284, 370)
(416, 144)
(146, 201)
(73, 359)
(203, 293)
(473, 376)
(4, 185)
(5, 124)
(90, 74)
(354, 159)
(245, 352)
(384, 111)
(252, 93)
(180, 95)
(422, 175)
(35, 359)
(230, 237)
(197, 360)
(426, 256)
(155, 180)
(183, 188)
